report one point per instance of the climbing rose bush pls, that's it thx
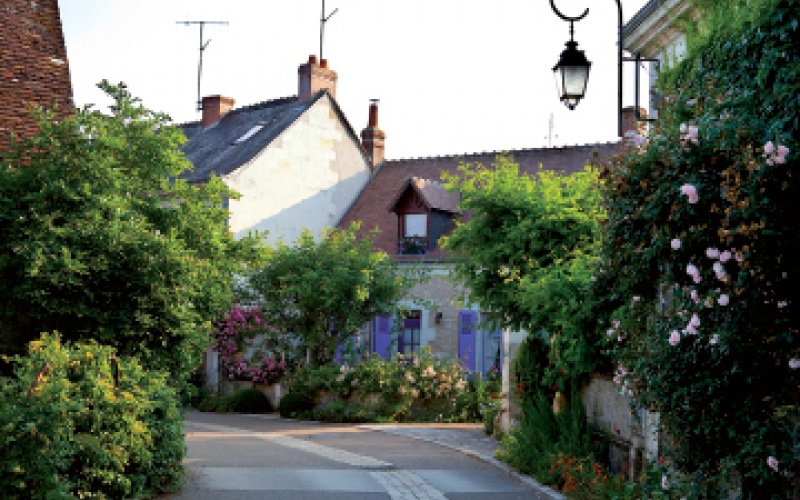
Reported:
(241, 339)
(699, 227)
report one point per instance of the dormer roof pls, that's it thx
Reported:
(432, 193)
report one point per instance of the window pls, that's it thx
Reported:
(415, 235)
(409, 339)
(416, 225)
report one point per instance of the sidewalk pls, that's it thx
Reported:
(465, 438)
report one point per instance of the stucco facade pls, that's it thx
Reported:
(307, 178)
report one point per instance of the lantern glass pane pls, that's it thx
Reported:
(575, 78)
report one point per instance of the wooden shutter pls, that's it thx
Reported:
(467, 321)
(383, 336)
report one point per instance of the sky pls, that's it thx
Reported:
(452, 76)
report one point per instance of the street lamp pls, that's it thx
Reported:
(572, 70)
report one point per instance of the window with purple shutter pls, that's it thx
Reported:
(382, 343)
(467, 322)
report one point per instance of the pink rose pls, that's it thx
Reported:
(712, 253)
(690, 192)
(794, 363)
(725, 256)
(769, 148)
(772, 462)
(675, 244)
(674, 338)
(692, 270)
(723, 299)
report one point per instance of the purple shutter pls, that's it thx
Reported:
(467, 321)
(337, 357)
(383, 336)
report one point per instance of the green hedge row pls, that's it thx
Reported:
(76, 421)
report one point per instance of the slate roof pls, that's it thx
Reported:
(389, 180)
(220, 148)
(433, 195)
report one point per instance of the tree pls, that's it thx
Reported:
(102, 240)
(528, 252)
(703, 227)
(318, 294)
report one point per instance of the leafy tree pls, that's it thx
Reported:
(528, 252)
(703, 226)
(318, 294)
(102, 241)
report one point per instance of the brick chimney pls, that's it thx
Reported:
(373, 138)
(214, 107)
(630, 122)
(312, 77)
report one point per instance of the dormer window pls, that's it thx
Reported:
(424, 213)
(414, 239)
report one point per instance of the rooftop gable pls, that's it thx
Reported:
(432, 193)
(372, 210)
(243, 133)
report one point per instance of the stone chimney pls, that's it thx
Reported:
(373, 138)
(312, 77)
(214, 107)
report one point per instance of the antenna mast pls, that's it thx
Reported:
(203, 45)
(322, 20)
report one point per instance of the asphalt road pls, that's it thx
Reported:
(265, 457)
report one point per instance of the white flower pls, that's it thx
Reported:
(712, 253)
(723, 299)
(794, 363)
(772, 462)
(714, 339)
(674, 338)
(675, 243)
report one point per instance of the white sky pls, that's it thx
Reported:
(453, 76)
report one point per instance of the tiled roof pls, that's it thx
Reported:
(218, 148)
(433, 194)
(373, 211)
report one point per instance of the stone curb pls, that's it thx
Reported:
(505, 468)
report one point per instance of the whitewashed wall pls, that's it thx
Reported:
(307, 178)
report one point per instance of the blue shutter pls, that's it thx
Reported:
(467, 321)
(383, 336)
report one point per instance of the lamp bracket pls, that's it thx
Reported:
(570, 20)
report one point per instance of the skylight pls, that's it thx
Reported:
(250, 133)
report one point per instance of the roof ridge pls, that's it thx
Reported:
(505, 151)
(249, 107)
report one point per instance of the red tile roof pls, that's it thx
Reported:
(373, 206)
(33, 65)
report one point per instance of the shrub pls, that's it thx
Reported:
(295, 404)
(542, 434)
(79, 421)
(249, 401)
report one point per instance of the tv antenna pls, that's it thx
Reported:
(203, 45)
(551, 128)
(322, 20)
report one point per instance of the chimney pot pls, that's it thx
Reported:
(372, 138)
(323, 63)
(214, 107)
(312, 78)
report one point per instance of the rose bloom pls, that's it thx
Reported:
(723, 299)
(674, 338)
(772, 462)
(725, 256)
(712, 253)
(675, 244)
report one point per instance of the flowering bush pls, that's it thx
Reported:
(703, 229)
(78, 422)
(385, 389)
(237, 333)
